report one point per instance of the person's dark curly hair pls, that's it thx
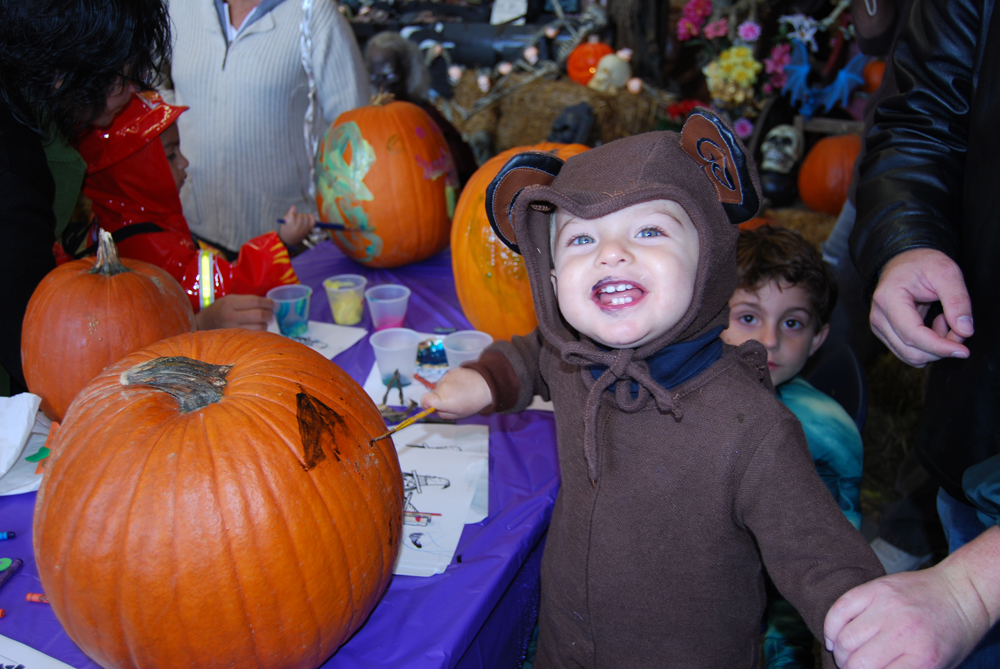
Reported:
(772, 253)
(59, 59)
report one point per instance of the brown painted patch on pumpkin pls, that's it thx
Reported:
(318, 426)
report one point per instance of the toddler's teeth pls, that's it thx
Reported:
(629, 287)
(627, 300)
(621, 288)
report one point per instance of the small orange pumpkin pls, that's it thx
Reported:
(88, 313)
(581, 66)
(490, 279)
(218, 499)
(386, 173)
(826, 173)
(872, 74)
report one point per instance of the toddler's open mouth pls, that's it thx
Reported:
(617, 293)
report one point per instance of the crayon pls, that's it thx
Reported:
(37, 597)
(7, 573)
(2, 613)
(7, 535)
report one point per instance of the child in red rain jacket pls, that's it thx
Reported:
(133, 182)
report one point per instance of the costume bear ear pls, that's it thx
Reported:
(531, 168)
(713, 145)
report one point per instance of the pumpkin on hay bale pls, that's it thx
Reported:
(217, 500)
(88, 313)
(826, 173)
(490, 279)
(386, 173)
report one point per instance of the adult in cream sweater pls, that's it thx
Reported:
(240, 68)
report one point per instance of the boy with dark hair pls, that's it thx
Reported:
(682, 476)
(786, 293)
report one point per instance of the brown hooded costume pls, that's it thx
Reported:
(673, 500)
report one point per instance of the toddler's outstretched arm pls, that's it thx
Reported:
(460, 393)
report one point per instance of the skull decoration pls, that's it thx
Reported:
(781, 149)
(612, 74)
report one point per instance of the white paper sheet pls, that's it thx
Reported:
(326, 338)
(23, 430)
(16, 654)
(376, 390)
(444, 467)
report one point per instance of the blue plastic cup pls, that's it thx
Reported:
(291, 308)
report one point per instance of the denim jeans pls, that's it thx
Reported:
(961, 525)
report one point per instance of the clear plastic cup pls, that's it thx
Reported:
(465, 345)
(346, 295)
(387, 305)
(291, 308)
(396, 350)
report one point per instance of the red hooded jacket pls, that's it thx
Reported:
(129, 182)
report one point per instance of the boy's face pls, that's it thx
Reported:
(628, 277)
(780, 317)
(171, 139)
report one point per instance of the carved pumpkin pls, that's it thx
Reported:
(581, 65)
(386, 173)
(826, 173)
(216, 499)
(490, 279)
(87, 314)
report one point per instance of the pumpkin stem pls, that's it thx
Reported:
(108, 263)
(382, 98)
(193, 383)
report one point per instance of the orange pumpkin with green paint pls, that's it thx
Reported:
(385, 172)
(490, 279)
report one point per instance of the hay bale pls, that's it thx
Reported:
(815, 226)
(525, 115)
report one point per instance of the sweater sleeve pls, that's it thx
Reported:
(811, 552)
(512, 370)
(339, 69)
(912, 173)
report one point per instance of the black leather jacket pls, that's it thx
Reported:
(930, 179)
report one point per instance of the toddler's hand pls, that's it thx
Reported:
(460, 393)
(297, 227)
(236, 311)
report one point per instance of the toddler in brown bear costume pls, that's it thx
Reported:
(683, 477)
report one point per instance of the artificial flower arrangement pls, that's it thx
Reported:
(742, 73)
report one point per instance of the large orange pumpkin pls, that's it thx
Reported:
(581, 66)
(872, 74)
(826, 173)
(490, 279)
(218, 499)
(386, 173)
(87, 314)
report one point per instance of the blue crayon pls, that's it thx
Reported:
(7, 535)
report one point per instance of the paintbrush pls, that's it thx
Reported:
(323, 225)
(406, 423)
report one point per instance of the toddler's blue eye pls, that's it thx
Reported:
(649, 232)
(582, 239)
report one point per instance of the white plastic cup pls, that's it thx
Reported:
(396, 349)
(291, 308)
(465, 345)
(346, 295)
(387, 304)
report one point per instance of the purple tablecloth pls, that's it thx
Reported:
(480, 611)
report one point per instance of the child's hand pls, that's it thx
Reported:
(296, 228)
(460, 393)
(236, 311)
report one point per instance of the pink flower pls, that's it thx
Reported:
(717, 28)
(781, 55)
(686, 29)
(743, 128)
(698, 10)
(749, 31)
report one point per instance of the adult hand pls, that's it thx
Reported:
(927, 619)
(236, 311)
(909, 284)
(460, 393)
(296, 228)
